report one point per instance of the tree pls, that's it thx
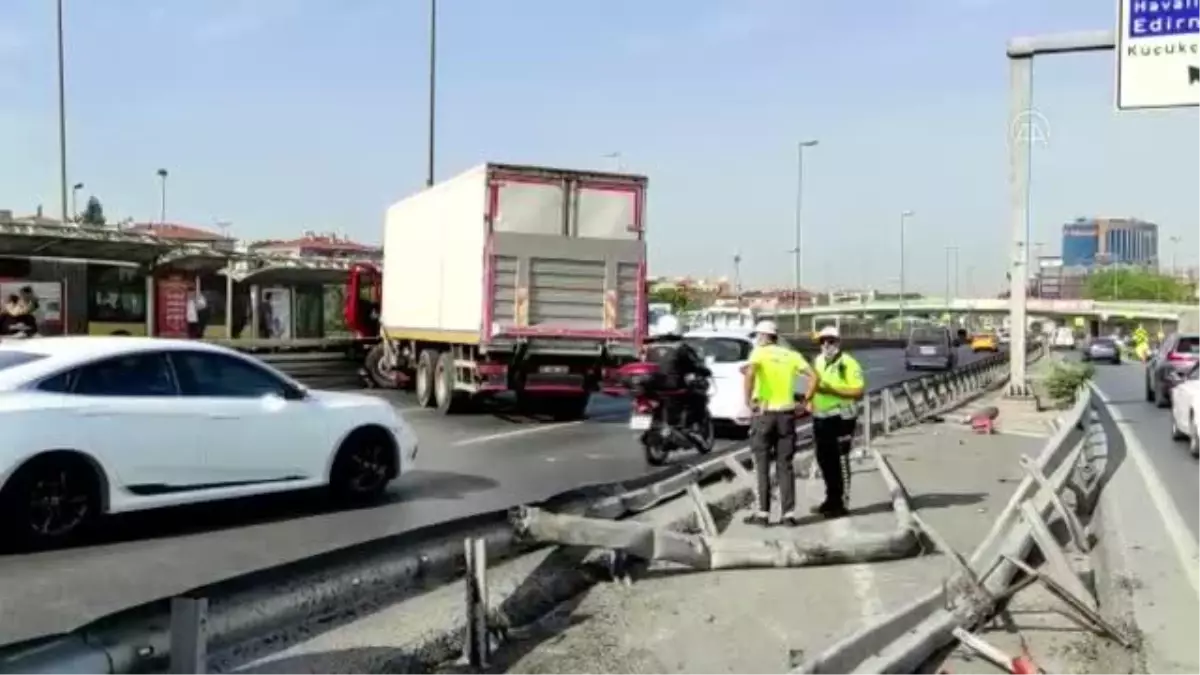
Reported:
(1136, 284)
(679, 299)
(93, 213)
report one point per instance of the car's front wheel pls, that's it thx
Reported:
(50, 501)
(364, 465)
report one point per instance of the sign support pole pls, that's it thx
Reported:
(1021, 52)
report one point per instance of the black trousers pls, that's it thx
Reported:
(833, 437)
(775, 438)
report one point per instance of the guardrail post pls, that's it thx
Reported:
(476, 643)
(885, 403)
(189, 635)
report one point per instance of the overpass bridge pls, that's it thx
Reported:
(1088, 309)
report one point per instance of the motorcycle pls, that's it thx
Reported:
(661, 415)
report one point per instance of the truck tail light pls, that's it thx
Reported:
(1179, 357)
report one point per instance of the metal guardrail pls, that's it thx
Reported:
(179, 630)
(906, 640)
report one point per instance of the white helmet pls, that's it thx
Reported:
(828, 332)
(668, 325)
(766, 328)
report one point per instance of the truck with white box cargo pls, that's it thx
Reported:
(514, 279)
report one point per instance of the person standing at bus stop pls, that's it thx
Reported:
(833, 394)
(770, 389)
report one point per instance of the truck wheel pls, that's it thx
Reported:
(448, 400)
(426, 369)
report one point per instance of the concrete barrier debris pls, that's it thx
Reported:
(242, 618)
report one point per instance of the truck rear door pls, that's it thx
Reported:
(566, 257)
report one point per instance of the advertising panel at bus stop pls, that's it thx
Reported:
(1158, 54)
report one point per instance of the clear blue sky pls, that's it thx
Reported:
(282, 115)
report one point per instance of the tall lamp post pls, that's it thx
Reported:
(162, 214)
(797, 275)
(75, 200)
(62, 117)
(432, 90)
(904, 216)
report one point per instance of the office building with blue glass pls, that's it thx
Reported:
(1093, 242)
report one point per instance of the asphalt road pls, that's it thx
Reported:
(467, 465)
(1175, 468)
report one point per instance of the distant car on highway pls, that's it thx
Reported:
(1185, 406)
(100, 425)
(1063, 338)
(985, 342)
(725, 351)
(1102, 349)
(930, 347)
(1168, 366)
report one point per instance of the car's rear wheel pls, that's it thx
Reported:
(1177, 434)
(364, 466)
(50, 501)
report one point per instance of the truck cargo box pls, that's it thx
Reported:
(504, 253)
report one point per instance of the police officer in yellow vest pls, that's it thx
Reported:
(770, 390)
(833, 392)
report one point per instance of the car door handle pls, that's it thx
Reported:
(222, 416)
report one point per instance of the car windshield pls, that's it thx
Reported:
(1102, 342)
(721, 349)
(13, 358)
(927, 336)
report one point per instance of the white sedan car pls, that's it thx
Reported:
(725, 351)
(1185, 408)
(97, 425)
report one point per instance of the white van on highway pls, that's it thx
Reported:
(1064, 338)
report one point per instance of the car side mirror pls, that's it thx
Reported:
(294, 393)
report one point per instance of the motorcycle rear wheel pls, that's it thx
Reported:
(654, 446)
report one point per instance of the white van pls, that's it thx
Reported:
(1064, 338)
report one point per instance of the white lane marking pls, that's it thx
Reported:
(1181, 539)
(475, 440)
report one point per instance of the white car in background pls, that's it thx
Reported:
(725, 351)
(98, 425)
(1185, 410)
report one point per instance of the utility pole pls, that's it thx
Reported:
(904, 216)
(432, 90)
(62, 117)
(797, 276)
(162, 214)
(75, 201)
(737, 277)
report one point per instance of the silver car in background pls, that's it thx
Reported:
(1169, 365)
(930, 347)
(1102, 349)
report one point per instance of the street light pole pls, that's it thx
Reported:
(1174, 239)
(950, 251)
(616, 158)
(432, 90)
(62, 117)
(162, 216)
(904, 216)
(75, 200)
(797, 275)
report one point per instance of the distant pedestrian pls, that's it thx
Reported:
(833, 393)
(771, 393)
(196, 309)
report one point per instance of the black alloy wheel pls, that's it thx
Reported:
(50, 502)
(363, 467)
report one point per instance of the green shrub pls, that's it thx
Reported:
(1065, 379)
